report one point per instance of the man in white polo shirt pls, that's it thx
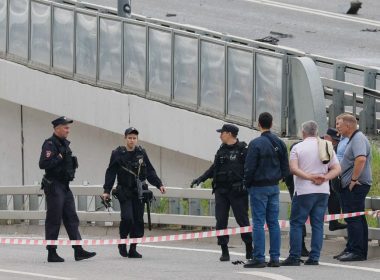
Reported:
(311, 182)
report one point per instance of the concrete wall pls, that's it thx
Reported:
(10, 144)
(92, 145)
(162, 125)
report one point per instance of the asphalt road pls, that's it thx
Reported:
(176, 260)
(323, 30)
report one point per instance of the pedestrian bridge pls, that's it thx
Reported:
(175, 83)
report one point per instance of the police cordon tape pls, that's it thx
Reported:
(166, 238)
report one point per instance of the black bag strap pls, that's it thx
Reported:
(274, 145)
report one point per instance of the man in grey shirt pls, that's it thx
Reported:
(356, 182)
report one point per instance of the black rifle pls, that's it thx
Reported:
(147, 198)
(148, 213)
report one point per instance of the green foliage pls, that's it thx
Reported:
(375, 188)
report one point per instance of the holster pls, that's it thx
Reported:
(239, 188)
(47, 185)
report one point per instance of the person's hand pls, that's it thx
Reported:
(195, 182)
(106, 196)
(318, 179)
(162, 190)
(353, 184)
(60, 156)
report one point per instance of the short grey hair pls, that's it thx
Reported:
(310, 128)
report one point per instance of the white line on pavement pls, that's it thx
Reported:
(241, 254)
(351, 267)
(266, 275)
(190, 249)
(35, 274)
(315, 12)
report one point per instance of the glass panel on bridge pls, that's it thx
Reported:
(110, 51)
(40, 33)
(63, 39)
(18, 28)
(240, 83)
(3, 25)
(160, 43)
(212, 76)
(269, 88)
(185, 69)
(134, 56)
(86, 45)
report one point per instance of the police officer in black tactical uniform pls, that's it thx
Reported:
(131, 165)
(227, 172)
(60, 165)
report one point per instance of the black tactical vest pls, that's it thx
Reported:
(131, 166)
(229, 165)
(65, 172)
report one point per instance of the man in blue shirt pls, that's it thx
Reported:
(342, 147)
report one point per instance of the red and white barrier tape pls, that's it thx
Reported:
(165, 238)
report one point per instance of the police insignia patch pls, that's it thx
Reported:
(48, 154)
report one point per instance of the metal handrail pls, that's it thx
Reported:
(172, 192)
(201, 34)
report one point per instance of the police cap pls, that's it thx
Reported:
(131, 130)
(61, 121)
(233, 129)
(333, 133)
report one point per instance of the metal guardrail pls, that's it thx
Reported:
(88, 214)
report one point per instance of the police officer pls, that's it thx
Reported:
(60, 165)
(130, 165)
(227, 172)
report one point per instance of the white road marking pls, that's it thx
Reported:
(266, 275)
(363, 268)
(35, 274)
(351, 267)
(190, 249)
(316, 12)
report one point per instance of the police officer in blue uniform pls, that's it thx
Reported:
(131, 166)
(60, 165)
(227, 172)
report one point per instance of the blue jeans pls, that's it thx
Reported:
(303, 206)
(265, 208)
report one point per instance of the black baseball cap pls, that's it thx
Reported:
(233, 129)
(131, 130)
(333, 133)
(61, 121)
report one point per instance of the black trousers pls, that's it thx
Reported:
(239, 205)
(132, 218)
(61, 207)
(357, 227)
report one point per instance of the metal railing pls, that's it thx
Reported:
(35, 209)
(211, 73)
(185, 69)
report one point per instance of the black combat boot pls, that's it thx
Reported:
(133, 253)
(225, 257)
(123, 250)
(53, 256)
(81, 254)
(335, 225)
(248, 251)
